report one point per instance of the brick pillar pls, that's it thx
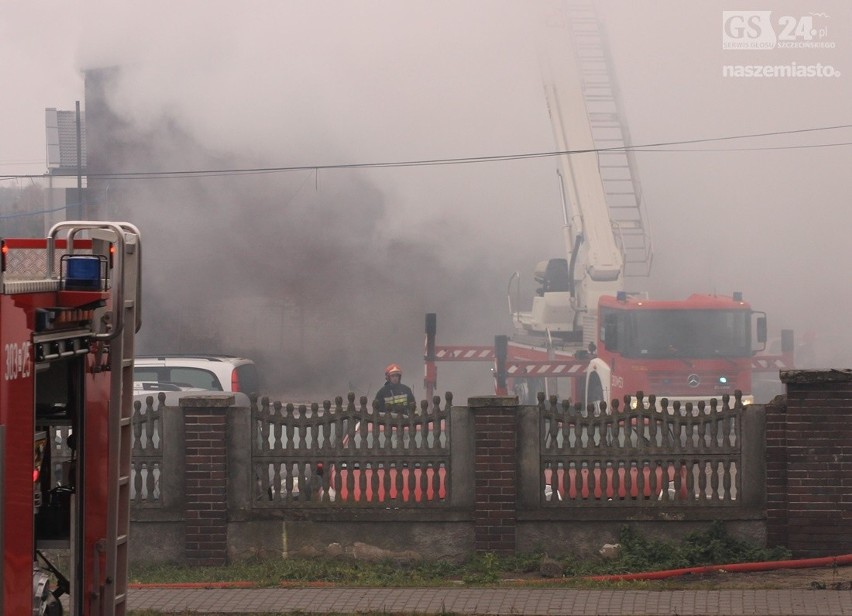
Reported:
(819, 462)
(206, 497)
(495, 463)
(776, 473)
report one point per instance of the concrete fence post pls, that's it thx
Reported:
(462, 452)
(755, 485)
(495, 466)
(205, 459)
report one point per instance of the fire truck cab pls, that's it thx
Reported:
(69, 310)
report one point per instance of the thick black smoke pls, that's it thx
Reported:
(300, 271)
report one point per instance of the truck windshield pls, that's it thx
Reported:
(689, 333)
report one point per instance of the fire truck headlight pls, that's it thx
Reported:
(634, 402)
(723, 380)
(748, 400)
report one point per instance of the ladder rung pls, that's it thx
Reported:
(604, 117)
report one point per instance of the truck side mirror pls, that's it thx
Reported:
(761, 330)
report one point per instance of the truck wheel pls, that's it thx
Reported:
(52, 607)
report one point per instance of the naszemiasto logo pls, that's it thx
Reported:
(752, 30)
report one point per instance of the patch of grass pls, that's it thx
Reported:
(483, 569)
(194, 613)
(638, 553)
(295, 570)
(296, 613)
(709, 547)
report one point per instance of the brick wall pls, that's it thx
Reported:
(495, 473)
(809, 473)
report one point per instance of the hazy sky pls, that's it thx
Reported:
(284, 84)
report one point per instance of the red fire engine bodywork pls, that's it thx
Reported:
(57, 384)
(676, 374)
(17, 414)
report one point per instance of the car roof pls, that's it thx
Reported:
(190, 360)
(207, 356)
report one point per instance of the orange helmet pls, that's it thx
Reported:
(392, 369)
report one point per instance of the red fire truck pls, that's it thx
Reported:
(583, 325)
(687, 350)
(69, 310)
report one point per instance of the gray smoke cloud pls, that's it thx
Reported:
(324, 276)
(296, 271)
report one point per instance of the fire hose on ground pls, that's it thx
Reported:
(770, 565)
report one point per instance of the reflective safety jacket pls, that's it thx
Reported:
(395, 398)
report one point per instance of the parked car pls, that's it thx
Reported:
(196, 372)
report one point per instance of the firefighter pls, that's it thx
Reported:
(394, 396)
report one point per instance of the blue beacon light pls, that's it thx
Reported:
(83, 273)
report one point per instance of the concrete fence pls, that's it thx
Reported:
(217, 479)
(214, 482)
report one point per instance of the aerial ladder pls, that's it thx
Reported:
(584, 326)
